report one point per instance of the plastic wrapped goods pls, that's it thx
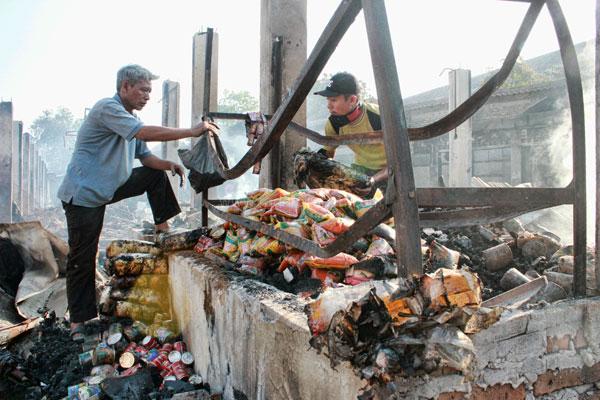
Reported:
(133, 264)
(339, 261)
(117, 247)
(182, 240)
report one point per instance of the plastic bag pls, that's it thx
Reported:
(316, 213)
(336, 225)
(379, 247)
(321, 236)
(202, 161)
(339, 261)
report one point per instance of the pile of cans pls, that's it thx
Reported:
(128, 349)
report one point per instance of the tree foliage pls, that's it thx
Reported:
(48, 131)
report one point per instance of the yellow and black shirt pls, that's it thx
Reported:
(370, 156)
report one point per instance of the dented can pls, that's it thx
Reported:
(180, 371)
(160, 362)
(73, 391)
(174, 356)
(187, 358)
(149, 342)
(89, 392)
(103, 355)
(86, 358)
(115, 328)
(180, 346)
(117, 341)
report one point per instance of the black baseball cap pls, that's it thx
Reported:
(340, 83)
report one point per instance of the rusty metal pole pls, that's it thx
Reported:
(597, 65)
(276, 74)
(401, 187)
(206, 102)
(575, 92)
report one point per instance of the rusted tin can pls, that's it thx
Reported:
(131, 333)
(86, 358)
(180, 371)
(132, 370)
(115, 328)
(103, 354)
(164, 335)
(149, 342)
(497, 257)
(127, 360)
(187, 358)
(89, 392)
(73, 391)
(180, 346)
(174, 356)
(117, 341)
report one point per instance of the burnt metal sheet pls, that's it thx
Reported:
(401, 186)
(575, 92)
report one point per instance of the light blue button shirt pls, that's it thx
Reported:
(104, 153)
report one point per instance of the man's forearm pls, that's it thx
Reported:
(152, 133)
(156, 163)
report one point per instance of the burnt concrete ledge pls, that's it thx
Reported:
(251, 338)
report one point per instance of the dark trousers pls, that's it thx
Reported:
(84, 226)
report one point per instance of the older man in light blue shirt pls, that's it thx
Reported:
(101, 172)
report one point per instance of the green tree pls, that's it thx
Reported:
(51, 133)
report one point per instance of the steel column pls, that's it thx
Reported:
(401, 187)
(575, 92)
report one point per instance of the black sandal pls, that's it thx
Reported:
(78, 334)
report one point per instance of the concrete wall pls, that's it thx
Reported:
(250, 337)
(247, 336)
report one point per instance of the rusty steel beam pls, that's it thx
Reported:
(206, 102)
(401, 182)
(492, 196)
(334, 31)
(575, 92)
(373, 217)
(277, 83)
(472, 216)
(597, 75)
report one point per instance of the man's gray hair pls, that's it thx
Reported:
(133, 74)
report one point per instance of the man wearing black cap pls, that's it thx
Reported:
(350, 115)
